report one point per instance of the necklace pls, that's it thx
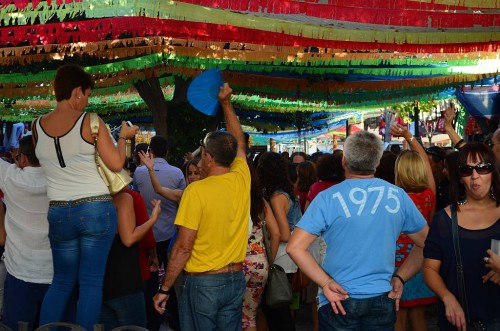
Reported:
(462, 202)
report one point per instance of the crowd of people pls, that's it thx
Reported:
(369, 238)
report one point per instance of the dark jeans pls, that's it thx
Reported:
(22, 301)
(371, 314)
(212, 302)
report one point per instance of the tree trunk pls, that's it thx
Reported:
(150, 90)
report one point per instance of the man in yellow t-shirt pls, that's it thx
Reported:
(212, 240)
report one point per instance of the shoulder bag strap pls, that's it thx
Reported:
(462, 297)
(94, 125)
(266, 242)
(94, 130)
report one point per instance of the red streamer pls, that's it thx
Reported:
(401, 13)
(125, 27)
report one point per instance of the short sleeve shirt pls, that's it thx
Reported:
(360, 221)
(218, 208)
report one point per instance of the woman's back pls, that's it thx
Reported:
(68, 162)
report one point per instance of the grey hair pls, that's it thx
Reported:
(362, 152)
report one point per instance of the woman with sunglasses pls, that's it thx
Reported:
(475, 194)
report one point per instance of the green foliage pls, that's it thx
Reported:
(406, 110)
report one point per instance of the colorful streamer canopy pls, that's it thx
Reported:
(281, 57)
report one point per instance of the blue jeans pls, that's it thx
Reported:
(373, 314)
(212, 302)
(22, 301)
(126, 310)
(80, 238)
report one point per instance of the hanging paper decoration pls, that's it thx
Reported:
(280, 57)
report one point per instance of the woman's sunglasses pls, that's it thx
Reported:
(482, 169)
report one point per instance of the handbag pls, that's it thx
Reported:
(473, 325)
(114, 180)
(278, 290)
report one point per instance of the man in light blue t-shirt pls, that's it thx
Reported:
(360, 220)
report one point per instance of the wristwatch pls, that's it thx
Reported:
(162, 291)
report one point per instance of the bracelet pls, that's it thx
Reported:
(399, 277)
(162, 291)
(410, 140)
(124, 139)
(460, 144)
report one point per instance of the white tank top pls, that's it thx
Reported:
(68, 163)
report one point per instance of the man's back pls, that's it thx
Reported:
(360, 220)
(218, 208)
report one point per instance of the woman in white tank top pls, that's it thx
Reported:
(82, 217)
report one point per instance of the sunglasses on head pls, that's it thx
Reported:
(482, 169)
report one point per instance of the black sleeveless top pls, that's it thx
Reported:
(483, 298)
(123, 274)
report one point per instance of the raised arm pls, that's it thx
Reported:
(127, 229)
(449, 116)
(113, 156)
(167, 193)
(398, 130)
(232, 122)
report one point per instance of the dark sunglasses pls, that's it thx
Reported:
(482, 169)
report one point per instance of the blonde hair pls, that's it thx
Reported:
(411, 173)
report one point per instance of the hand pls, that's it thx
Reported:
(493, 261)
(128, 131)
(225, 94)
(335, 294)
(146, 160)
(398, 130)
(156, 209)
(449, 116)
(188, 156)
(492, 276)
(160, 302)
(153, 263)
(454, 312)
(397, 291)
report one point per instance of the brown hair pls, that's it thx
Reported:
(68, 77)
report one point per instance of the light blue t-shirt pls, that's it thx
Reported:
(360, 221)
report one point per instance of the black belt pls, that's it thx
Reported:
(104, 197)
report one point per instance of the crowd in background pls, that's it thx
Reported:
(186, 245)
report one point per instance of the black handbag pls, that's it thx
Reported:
(473, 325)
(278, 290)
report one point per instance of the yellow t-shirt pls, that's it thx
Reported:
(218, 207)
